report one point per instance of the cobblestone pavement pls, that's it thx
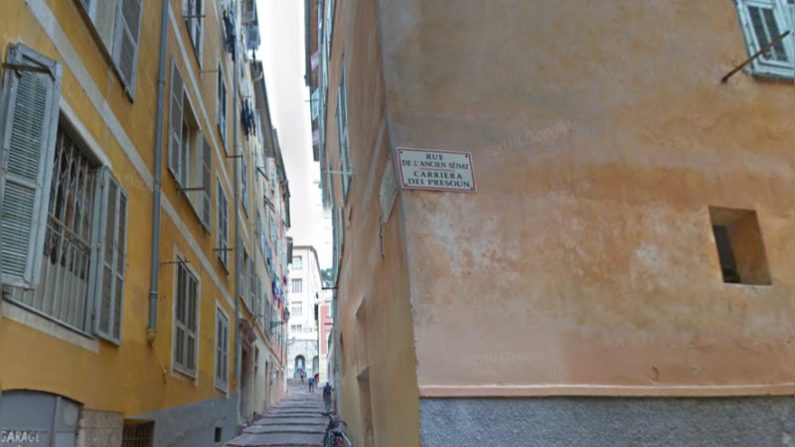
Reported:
(296, 421)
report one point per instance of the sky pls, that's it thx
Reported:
(283, 56)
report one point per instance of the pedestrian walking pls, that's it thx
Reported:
(327, 397)
(311, 384)
(302, 375)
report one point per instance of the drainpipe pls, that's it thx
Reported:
(154, 266)
(236, 155)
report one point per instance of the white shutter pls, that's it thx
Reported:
(175, 123)
(207, 165)
(28, 128)
(109, 267)
(125, 42)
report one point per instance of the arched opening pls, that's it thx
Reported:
(315, 365)
(300, 365)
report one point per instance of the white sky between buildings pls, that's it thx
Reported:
(282, 53)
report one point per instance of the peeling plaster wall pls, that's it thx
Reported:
(601, 134)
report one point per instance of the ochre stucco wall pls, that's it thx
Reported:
(374, 332)
(601, 134)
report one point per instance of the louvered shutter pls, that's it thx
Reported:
(175, 124)
(125, 42)
(109, 270)
(207, 169)
(221, 112)
(28, 130)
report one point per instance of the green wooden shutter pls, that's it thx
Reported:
(109, 267)
(28, 128)
(125, 42)
(206, 193)
(175, 123)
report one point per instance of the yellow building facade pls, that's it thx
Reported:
(125, 135)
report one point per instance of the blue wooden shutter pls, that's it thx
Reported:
(109, 270)
(28, 128)
(207, 169)
(125, 42)
(175, 124)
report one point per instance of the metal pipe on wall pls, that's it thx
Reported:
(154, 267)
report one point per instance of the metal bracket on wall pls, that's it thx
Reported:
(754, 56)
(178, 261)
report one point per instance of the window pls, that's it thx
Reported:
(263, 243)
(137, 434)
(296, 328)
(252, 289)
(58, 273)
(298, 284)
(190, 154)
(296, 310)
(223, 227)
(298, 262)
(193, 12)
(118, 25)
(244, 182)
(221, 104)
(221, 349)
(741, 251)
(763, 23)
(342, 134)
(185, 320)
(70, 270)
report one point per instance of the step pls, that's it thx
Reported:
(277, 440)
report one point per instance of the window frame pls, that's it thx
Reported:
(112, 52)
(782, 12)
(223, 231)
(198, 47)
(221, 320)
(343, 135)
(300, 264)
(222, 103)
(176, 364)
(299, 282)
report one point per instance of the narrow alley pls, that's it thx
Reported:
(296, 421)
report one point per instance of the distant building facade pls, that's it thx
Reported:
(305, 286)
(621, 275)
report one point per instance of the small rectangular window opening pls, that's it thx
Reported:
(218, 432)
(741, 250)
(138, 433)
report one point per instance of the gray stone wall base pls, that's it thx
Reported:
(194, 425)
(608, 422)
(99, 428)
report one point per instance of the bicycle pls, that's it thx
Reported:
(335, 436)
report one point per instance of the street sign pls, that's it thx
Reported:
(436, 170)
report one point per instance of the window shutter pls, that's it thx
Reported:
(221, 112)
(175, 123)
(125, 43)
(28, 132)
(207, 165)
(109, 267)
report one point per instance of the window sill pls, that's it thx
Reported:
(34, 319)
(185, 375)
